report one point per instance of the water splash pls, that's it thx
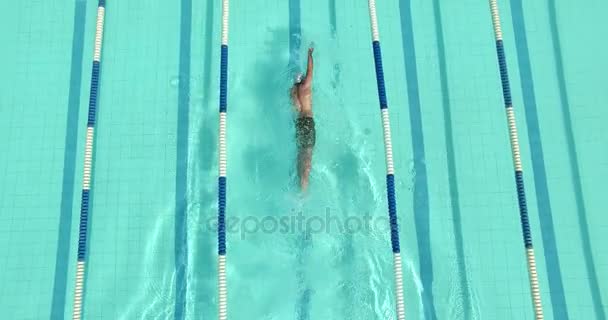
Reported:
(174, 82)
(418, 282)
(157, 297)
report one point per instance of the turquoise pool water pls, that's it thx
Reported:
(152, 245)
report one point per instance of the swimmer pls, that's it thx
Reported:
(301, 97)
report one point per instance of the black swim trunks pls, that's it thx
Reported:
(305, 132)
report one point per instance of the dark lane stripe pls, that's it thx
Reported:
(207, 51)
(421, 193)
(574, 166)
(554, 274)
(69, 164)
(304, 242)
(332, 17)
(295, 35)
(295, 45)
(451, 162)
(204, 290)
(181, 166)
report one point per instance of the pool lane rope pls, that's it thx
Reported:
(390, 175)
(221, 215)
(519, 180)
(88, 166)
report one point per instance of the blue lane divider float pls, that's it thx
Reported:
(390, 176)
(221, 219)
(88, 166)
(519, 180)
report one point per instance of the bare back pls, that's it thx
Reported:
(304, 92)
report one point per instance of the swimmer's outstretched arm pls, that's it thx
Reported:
(308, 79)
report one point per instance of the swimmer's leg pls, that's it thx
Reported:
(304, 166)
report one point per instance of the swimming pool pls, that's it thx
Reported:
(152, 243)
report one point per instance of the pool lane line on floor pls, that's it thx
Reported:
(295, 36)
(88, 166)
(221, 214)
(390, 176)
(332, 18)
(302, 310)
(68, 188)
(465, 291)
(181, 248)
(519, 180)
(545, 212)
(581, 209)
(421, 185)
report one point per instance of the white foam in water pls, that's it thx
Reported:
(476, 312)
(367, 170)
(361, 150)
(374, 280)
(327, 175)
(383, 304)
(419, 288)
(162, 303)
(174, 81)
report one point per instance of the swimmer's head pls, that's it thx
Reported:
(298, 77)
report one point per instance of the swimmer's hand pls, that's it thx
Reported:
(311, 49)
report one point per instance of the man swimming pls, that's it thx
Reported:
(301, 97)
